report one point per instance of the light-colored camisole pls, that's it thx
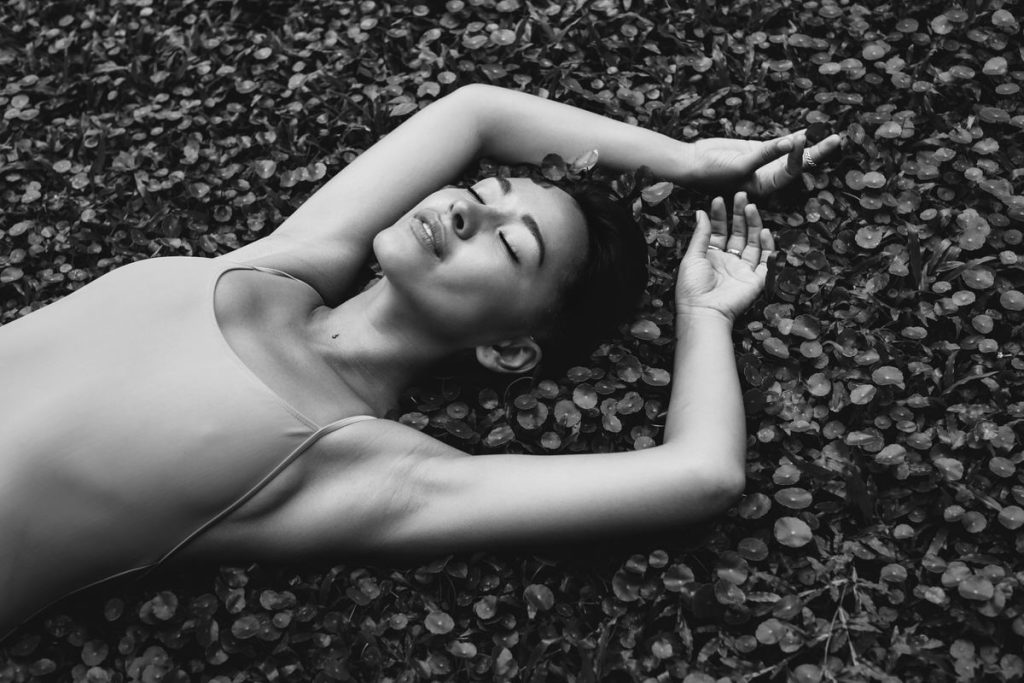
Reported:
(128, 426)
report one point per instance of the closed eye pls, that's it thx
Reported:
(475, 195)
(508, 247)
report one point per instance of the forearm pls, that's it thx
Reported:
(517, 127)
(706, 408)
(434, 146)
(417, 158)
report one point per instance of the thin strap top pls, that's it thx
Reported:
(145, 425)
(262, 483)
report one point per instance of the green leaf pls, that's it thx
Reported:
(584, 162)
(976, 588)
(754, 506)
(438, 622)
(585, 396)
(887, 375)
(792, 532)
(645, 329)
(539, 598)
(1011, 517)
(794, 498)
(1012, 300)
(246, 626)
(553, 167)
(657, 193)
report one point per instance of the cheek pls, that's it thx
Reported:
(480, 290)
(485, 302)
(510, 304)
(473, 296)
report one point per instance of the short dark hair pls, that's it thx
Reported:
(605, 288)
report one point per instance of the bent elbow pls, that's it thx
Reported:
(732, 487)
(723, 490)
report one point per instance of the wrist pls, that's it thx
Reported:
(685, 156)
(686, 312)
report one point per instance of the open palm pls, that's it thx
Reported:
(725, 268)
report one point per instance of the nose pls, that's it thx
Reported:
(469, 218)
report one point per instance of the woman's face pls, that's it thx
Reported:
(484, 263)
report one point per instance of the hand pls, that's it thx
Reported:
(723, 271)
(758, 168)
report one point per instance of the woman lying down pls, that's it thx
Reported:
(228, 409)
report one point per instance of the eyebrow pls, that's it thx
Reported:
(528, 220)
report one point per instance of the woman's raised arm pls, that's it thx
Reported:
(330, 235)
(434, 146)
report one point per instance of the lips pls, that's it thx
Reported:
(429, 230)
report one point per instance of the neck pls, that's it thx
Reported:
(375, 346)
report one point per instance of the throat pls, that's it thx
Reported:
(376, 362)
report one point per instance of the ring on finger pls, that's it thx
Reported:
(735, 252)
(809, 163)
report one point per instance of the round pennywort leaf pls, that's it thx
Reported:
(792, 532)
(439, 623)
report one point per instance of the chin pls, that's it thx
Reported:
(395, 254)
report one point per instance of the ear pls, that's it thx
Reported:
(520, 354)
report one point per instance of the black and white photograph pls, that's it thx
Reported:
(511, 340)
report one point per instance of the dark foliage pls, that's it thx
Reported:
(880, 536)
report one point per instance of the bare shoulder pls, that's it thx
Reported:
(328, 268)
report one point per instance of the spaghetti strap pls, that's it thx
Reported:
(262, 483)
(144, 570)
(275, 271)
(271, 271)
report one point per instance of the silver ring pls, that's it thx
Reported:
(711, 246)
(809, 163)
(735, 252)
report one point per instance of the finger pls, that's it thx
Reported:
(823, 150)
(762, 268)
(698, 247)
(738, 236)
(767, 256)
(768, 152)
(754, 225)
(752, 251)
(794, 162)
(719, 223)
(781, 172)
(767, 267)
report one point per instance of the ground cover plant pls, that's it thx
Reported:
(880, 534)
